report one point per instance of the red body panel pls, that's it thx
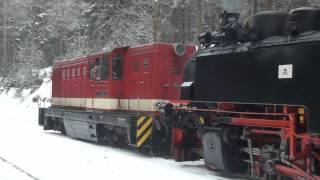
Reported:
(151, 71)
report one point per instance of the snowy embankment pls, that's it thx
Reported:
(27, 152)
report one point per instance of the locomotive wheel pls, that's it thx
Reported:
(118, 141)
(146, 151)
(222, 149)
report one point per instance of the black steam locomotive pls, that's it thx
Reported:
(252, 93)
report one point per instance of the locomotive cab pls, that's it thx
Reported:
(105, 77)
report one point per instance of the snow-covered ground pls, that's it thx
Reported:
(27, 152)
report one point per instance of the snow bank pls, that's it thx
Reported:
(23, 109)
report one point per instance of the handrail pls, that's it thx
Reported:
(233, 112)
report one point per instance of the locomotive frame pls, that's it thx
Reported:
(272, 143)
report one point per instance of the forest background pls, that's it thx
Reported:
(34, 33)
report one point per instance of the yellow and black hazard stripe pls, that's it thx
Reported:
(144, 130)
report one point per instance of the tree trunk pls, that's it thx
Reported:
(255, 6)
(269, 4)
(199, 17)
(5, 32)
(156, 21)
(60, 26)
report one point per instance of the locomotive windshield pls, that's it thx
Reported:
(99, 70)
(117, 67)
(105, 68)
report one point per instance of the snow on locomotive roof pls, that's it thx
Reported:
(139, 47)
(81, 57)
(64, 60)
(149, 44)
(157, 43)
(106, 52)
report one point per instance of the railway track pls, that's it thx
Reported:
(17, 168)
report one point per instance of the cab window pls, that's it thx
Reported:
(105, 68)
(95, 69)
(92, 71)
(117, 67)
(99, 69)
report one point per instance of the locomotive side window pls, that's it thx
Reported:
(146, 64)
(73, 72)
(105, 68)
(95, 70)
(84, 73)
(68, 73)
(92, 71)
(78, 72)
(117, 67)
(98, 69)
(64, 74)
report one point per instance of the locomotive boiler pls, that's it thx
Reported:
(251, 95)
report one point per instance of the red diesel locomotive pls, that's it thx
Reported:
(114, 97)
(247, 102)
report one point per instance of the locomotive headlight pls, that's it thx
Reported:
(301, 111)
(301, 119)
(201, 120)
(179, 49)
